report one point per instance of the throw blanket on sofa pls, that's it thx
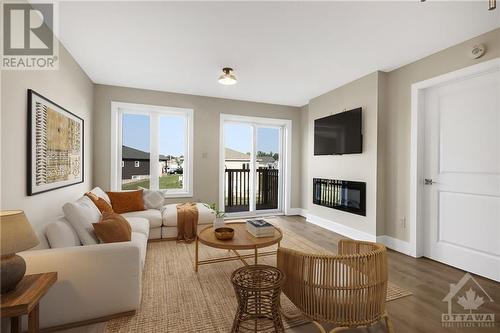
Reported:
(187, 221)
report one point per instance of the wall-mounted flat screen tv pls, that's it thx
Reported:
(339, 134)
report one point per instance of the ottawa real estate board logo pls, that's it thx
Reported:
(465, 301)
(29, 41)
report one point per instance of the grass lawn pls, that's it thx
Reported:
(166, 181)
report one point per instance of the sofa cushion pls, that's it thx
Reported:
(152, 215)
(155, 233)
(126, 201)
(139, 224)
(101, 194)
(169, 232)
(141, 241)
(81, 214)
(205, 214)
(61, 234)
(152, 199)
(112, 228)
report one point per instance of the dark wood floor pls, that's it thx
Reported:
(427, 279)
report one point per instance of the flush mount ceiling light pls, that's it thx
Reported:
(228, 77)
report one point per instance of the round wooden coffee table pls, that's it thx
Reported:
(242, 240)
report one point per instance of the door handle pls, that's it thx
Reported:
(429, 181)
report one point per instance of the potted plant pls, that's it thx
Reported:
(219, 215)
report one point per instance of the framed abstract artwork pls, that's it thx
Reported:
(55, 145)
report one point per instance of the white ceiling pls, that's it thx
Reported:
(282, 52)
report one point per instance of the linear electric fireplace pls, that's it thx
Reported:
(340, 194)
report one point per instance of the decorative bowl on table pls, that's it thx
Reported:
(224, 233)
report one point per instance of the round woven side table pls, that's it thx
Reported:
(258, 289)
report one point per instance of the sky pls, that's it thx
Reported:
(239, 137)
(135, 132)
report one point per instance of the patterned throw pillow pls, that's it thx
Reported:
(152, 199)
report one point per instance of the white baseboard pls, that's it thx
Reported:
(390, 242)
(395, 244)
(340, 228)
(297, 211)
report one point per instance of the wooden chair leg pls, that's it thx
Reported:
(388, 323)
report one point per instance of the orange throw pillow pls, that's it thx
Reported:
(112, 228)
(100, 203)
(126, 201)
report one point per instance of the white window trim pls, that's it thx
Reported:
(137, 164)
(286, 160)
(117, 110)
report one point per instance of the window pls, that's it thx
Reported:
(153, 144)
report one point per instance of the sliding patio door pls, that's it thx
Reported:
(267, 172)
(251, 158)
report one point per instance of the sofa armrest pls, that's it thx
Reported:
(93, 281)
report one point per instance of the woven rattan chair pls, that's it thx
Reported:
(348, 289)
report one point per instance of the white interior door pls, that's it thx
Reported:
(462, 171)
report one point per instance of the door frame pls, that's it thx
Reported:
(418, 91)
(286, 146)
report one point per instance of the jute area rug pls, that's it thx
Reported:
(176, 299)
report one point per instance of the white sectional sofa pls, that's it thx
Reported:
(96, 281)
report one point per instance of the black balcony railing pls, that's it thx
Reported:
(237, 189)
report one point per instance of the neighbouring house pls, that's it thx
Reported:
(237, 160)
(135, 163)
(234, 159)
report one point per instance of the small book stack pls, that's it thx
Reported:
(260, 228)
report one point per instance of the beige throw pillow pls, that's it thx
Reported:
(152, 199)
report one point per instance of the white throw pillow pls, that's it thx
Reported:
(152, 199)
(81, 214)
(61, 234)
(101, 194)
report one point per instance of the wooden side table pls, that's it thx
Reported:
(24, 300)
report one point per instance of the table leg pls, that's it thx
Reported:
(33, 319)
(15, 326)
(256, 255)
(196, 256)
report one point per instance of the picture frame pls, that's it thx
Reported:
(55, 146)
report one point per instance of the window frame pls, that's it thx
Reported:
(154, 112)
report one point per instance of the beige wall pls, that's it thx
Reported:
(381, 151)
(304, 157)
(397, 141)
(386, 153)
(72, 89)
(357, 167)
(206, 133)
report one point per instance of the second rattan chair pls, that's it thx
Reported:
(348, 289)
